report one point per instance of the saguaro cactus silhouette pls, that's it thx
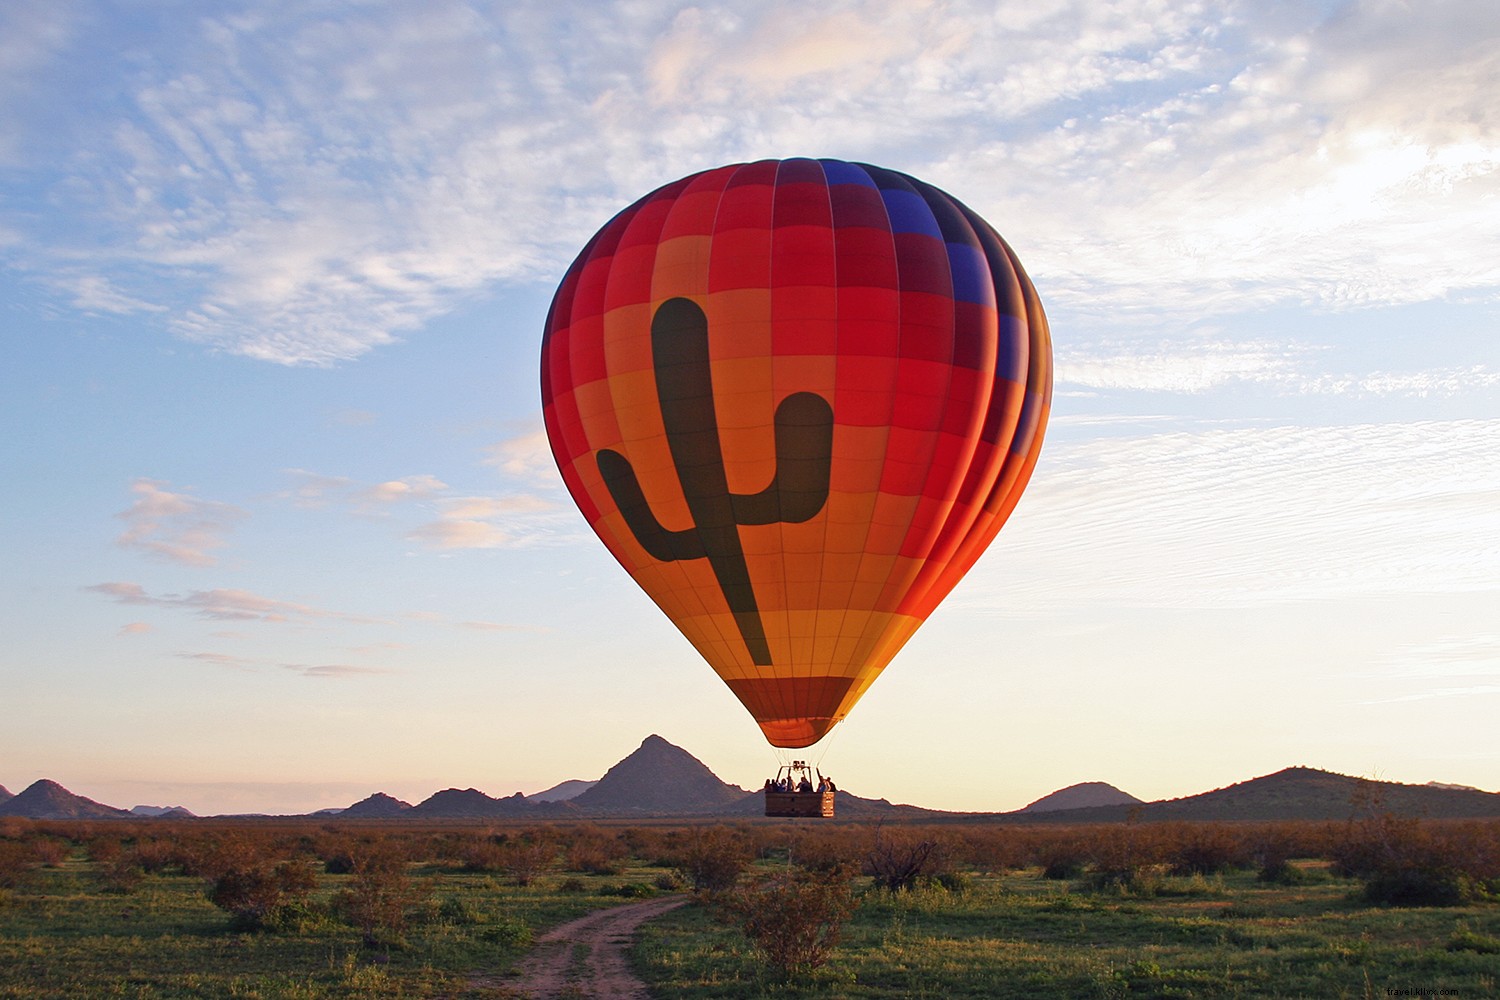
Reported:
(797, 491)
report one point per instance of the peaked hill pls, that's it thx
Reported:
(46, 799)
(6, 794)
(1084, 795)
(659, 778)
(377, 806)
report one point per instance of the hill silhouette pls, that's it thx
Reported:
(1084, 795)
(1296, 793)
(469, 803)
(562, 791)
(658, 777)
(5, 794)
(377, 806)
(46, 799)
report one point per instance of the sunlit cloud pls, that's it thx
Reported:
(176, 527)
(302, 186)
(400, 490)
(136, 628)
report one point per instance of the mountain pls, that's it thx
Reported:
(48, 800)
(659, 778)
(1082, 796)
(1297, 793)
(377, 806)
(6, 794)
(162, 812)
(470, 803)
(562, 792)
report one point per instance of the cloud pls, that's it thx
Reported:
(1198, 366)
(525, 456)
(176, 527)
(245, 664)
(302, 185)
(221, 660)
(1233, 517)
(135, 628)
(224, 604)
(399, 490)
(314, 489)
(334, 670)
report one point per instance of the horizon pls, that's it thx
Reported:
(495, 795)
(282, 520)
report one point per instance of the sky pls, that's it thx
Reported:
(280, 523)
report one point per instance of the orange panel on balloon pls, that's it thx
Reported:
(796, 399)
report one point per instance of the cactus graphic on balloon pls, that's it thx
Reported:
(797, 491)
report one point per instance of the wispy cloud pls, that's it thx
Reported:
(250, 665)
(1243, 516)
(224, 604)
(303, 185)
(176, 527)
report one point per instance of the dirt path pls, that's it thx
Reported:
(584, 957)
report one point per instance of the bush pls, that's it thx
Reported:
(1403, 861)
(794, 919)
(16, 864)
(253, 886)
(712, 860)
(381, 895)
(596, 853)
(897, 861)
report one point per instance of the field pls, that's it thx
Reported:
(1378, 908)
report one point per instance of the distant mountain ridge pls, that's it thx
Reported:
(1297, 793)
(660, 779)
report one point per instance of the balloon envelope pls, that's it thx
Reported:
(796, 399)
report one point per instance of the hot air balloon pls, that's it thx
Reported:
(796, 399)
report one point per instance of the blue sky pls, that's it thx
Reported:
(281, 523)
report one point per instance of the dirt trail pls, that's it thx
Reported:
(584, 957)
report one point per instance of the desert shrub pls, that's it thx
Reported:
(1202, 849)
(254, 887)
(572, 884)
(121, 873)
(712, 860)
(667, 881)
(793, 918)
(17, 861)
(526, 858)
(51, 852)
(1404, 861)
(381, 895)
(992, 850)
(827, 851)
(596, 853)
(1060, 856)
(1123, 857)
(896, 861)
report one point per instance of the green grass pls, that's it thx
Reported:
(62, 936)
(1021, 936)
